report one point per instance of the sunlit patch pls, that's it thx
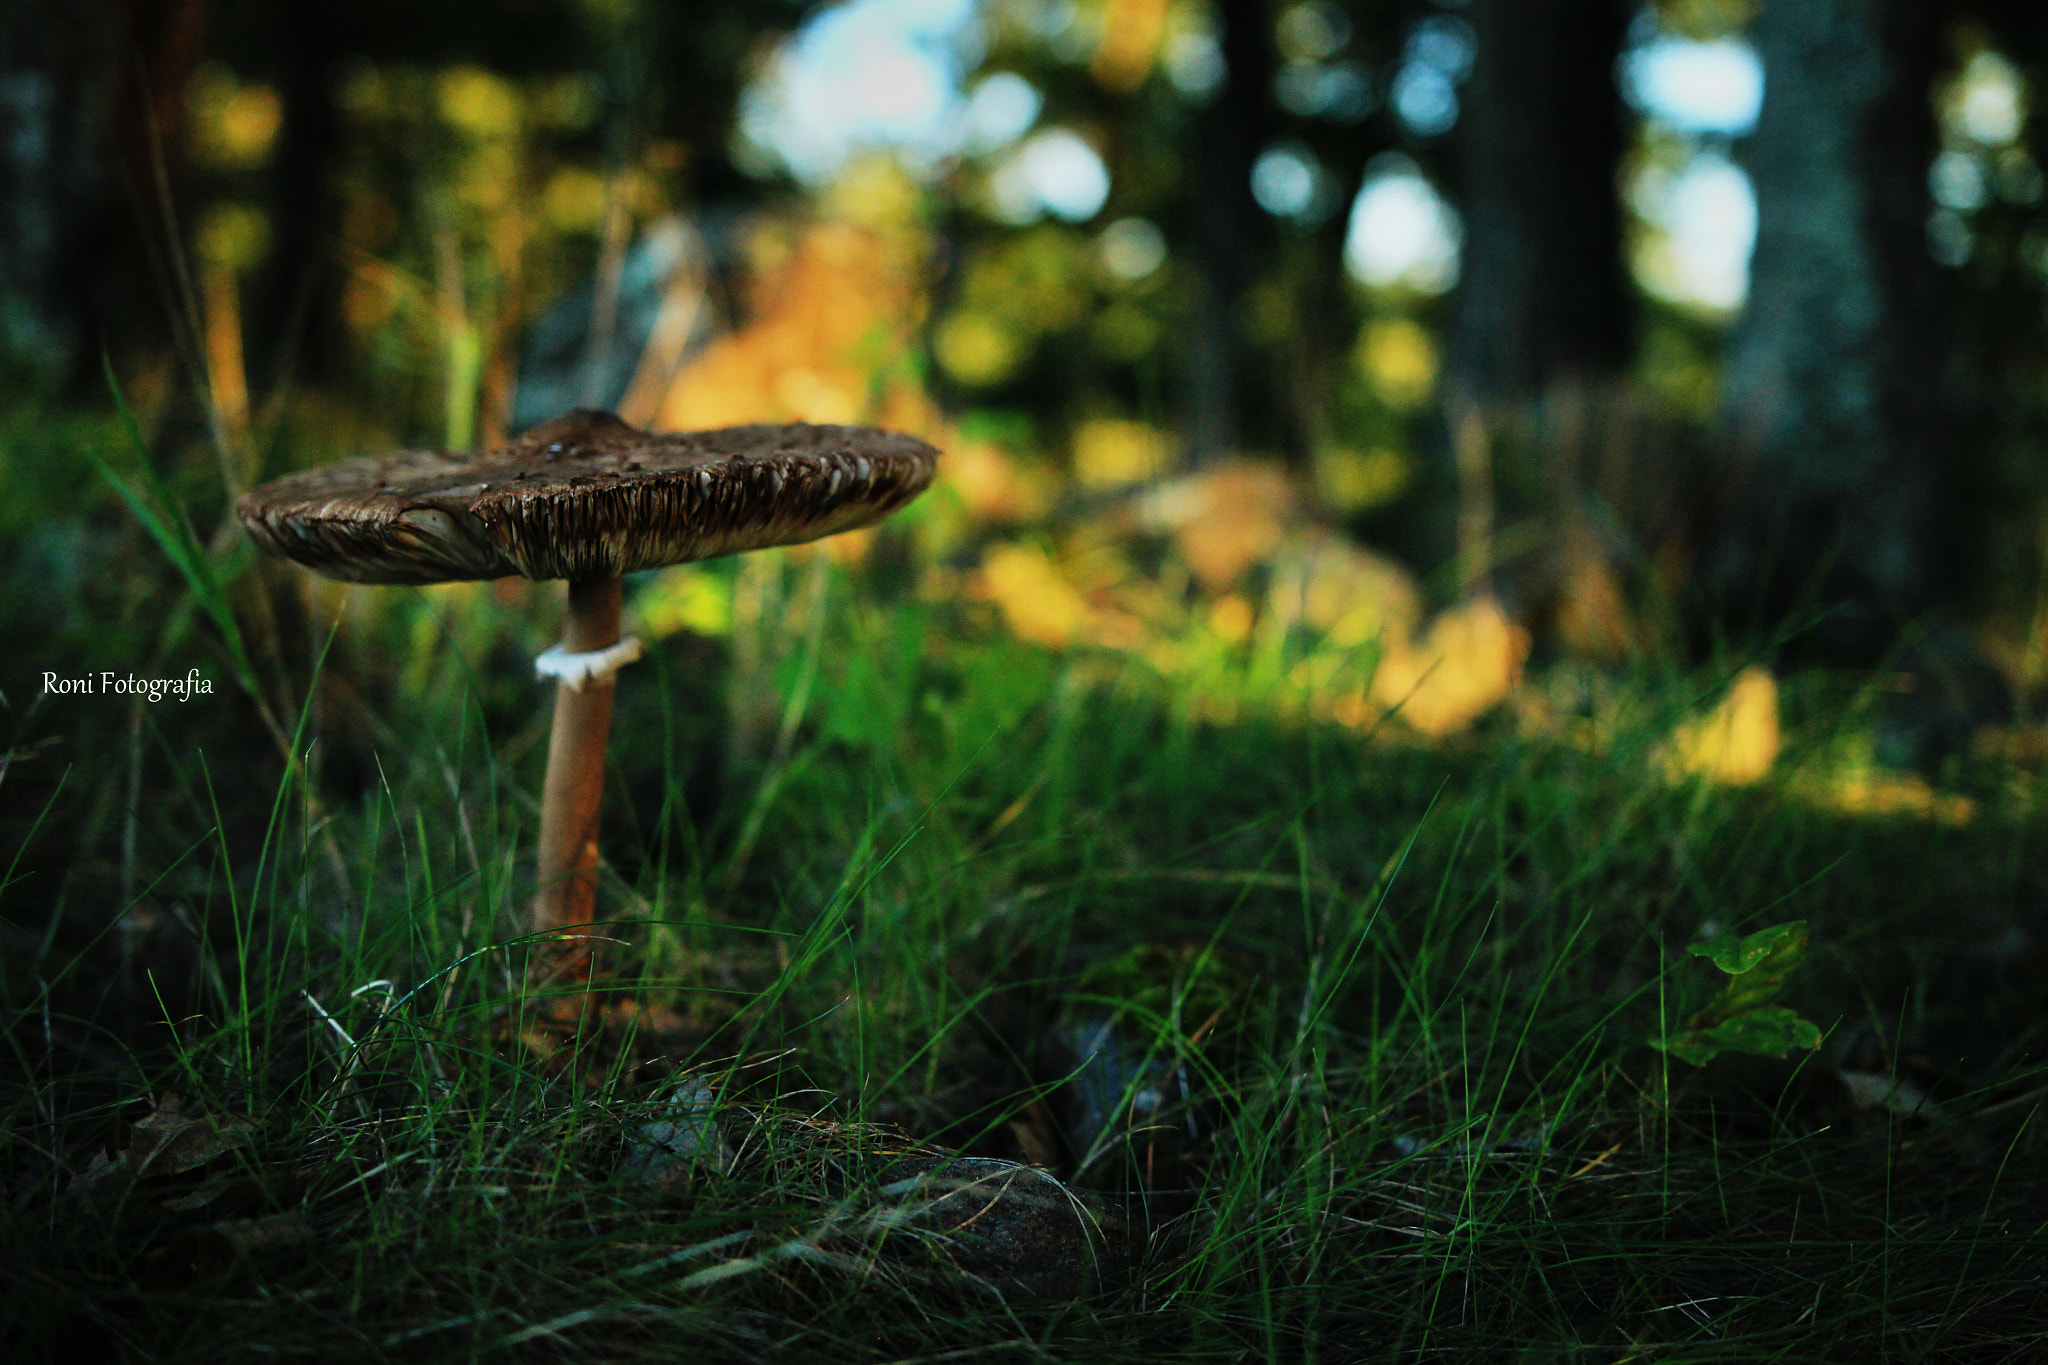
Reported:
(862, 75)
(1111, 453)
(1986, 103)
(574, 199)
(1399, 361)
(1463, 666)
(1436, 60)
(1342, 591)
(1735, 742)
(684, 598)
(477, 101)
(1131, 248)
(1696, 87)
(1002, 109)
(1038, 602)
(1132, 31)
(234, 126)
(1351, 480)
(1289, 181)
(1225, 519)
(977, 349)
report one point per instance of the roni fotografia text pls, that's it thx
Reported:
(115, 685)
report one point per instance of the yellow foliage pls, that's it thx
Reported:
(233, 237)
(477, 101)
(1344, 592)
(874, 191)
(1108, 454)
(831, 315)
(1399, 361)
(1738, 740)
(684, 598)
(991, 484)
(1886, 793)
(1035, 597)
(1131, 34)
(1465, 665)
(976, 348)
(1230, 617)
(1033, 283)
(234, 126)
(1225, 519)
(1355, 480)
(574, 200)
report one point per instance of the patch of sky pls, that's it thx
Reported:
(1956, 180)
(1002, 109)
(1704, 216)
(1987, 104)
(1402, 232)
(1435, 61)
(1703, 88)
(1131, 248)
(1055, 171)
(1698, 205)
(866, 74)
(1289, 182)
(1194, 61)
(1982, 111)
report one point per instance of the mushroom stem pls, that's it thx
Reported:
(575, 781)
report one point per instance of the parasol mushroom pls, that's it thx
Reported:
(587, 498)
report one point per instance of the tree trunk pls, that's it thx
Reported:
(91, 100)
(1833, 397)
(298, 319)
(1230, 132)
(1543, 290)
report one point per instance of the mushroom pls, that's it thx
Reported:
(587, 498)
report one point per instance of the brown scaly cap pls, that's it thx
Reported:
(584, 497)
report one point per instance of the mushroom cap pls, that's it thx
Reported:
(584, 497)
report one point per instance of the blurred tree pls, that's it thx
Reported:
(299, 311)
(1543, 290)
(1835, 393)
(91, 104)
(1233, 233)
(669, 72)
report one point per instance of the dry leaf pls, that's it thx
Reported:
(1463, 666)
(1737, 741)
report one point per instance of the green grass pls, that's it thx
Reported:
(1385, 1008)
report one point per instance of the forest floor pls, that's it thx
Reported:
(970, 999)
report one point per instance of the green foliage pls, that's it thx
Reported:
(159, 513)
(1741, 1018)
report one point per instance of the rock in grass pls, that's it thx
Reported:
(676, 1143)
(1015, 1229)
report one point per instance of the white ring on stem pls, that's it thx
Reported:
(578, 671)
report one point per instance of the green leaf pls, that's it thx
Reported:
(1770, 1032)
(1741, 1018)
(1738, 955)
